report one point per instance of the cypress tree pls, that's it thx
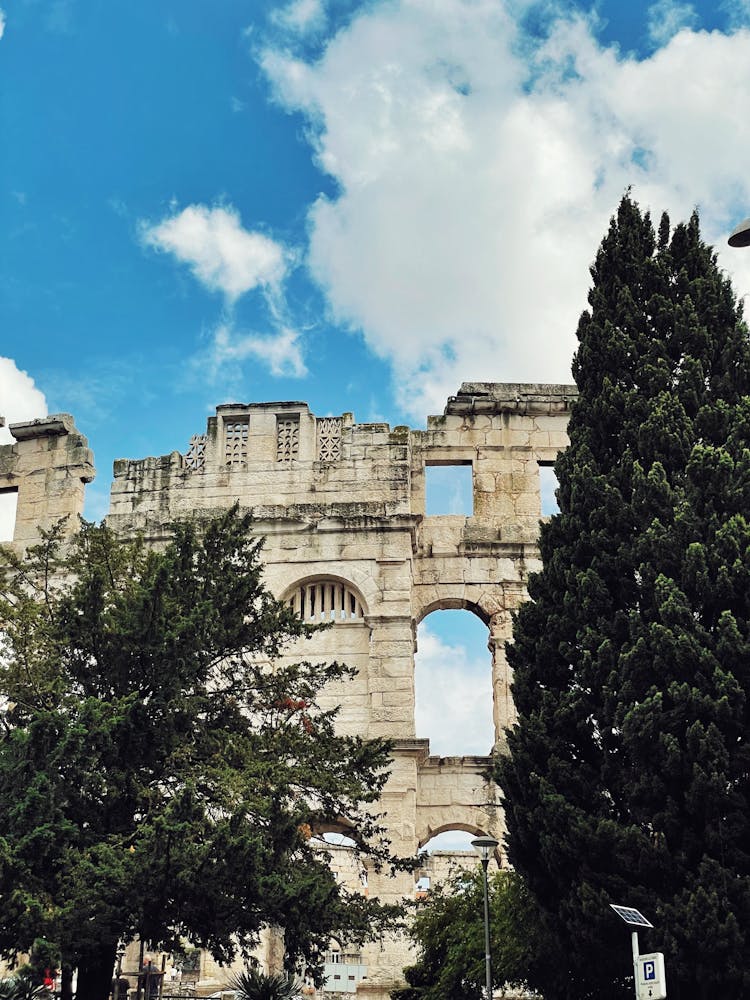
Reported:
(626, 778)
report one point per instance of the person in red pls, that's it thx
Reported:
(49, 979)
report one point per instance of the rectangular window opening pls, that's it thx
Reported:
(449, 489)
(548, 488)
(8, 509)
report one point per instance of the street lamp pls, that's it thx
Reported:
(741, 235)
(484, 846)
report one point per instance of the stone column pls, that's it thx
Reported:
(504, 711)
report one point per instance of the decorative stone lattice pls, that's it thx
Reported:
(329, 439)
(195, 459)
(236, 443)
(326, 601)
(287, 440)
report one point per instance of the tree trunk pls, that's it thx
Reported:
(95, 974)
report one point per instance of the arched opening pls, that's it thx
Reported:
(449, 840)
(338, 839)
(326, 599)
(442, 857)
(453, 684)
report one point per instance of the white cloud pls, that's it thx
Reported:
(3, 22)
(454, 697)
(667, 17)
(19, 397)
(477, 171)
(19, 400)
(222, 255)
(279, 352)
(301, 16)
(227, 258)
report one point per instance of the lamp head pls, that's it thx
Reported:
(741, 235)
(484, 846)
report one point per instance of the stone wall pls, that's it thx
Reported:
(342, 508)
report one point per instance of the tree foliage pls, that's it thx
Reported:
(627, 777)
(448, 931)
(156, 776)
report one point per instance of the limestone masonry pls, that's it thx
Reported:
(342, 508)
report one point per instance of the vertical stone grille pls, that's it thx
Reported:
(329, 439)
(287, 439)
(326, 601)
(195, 459)
(235, 437)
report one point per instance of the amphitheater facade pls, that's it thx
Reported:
(348, 540)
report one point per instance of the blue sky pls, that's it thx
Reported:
(358, 203)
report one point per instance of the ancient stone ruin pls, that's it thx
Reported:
(342, 508)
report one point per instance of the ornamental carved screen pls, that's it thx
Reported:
(287, 439)
(329, 439)
(236, 432)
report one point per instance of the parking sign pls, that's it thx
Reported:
(651, 981)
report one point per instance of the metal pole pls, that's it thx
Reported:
(140, 967)
(487, 955)
(636, 952)
(118, 974)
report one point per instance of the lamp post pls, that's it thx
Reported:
(484, 846)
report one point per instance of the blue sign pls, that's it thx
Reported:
(649, 971)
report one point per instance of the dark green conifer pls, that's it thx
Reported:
(627, 778)
(156, 778)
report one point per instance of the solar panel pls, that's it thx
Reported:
(633, 917)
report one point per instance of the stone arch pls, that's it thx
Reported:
(449, 603)
(444, 861)
(494, 606)
(344, 827)
(467, 817)
(462, 826)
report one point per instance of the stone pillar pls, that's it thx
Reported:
(391, 677)
(48, 465)
(386, 958)
(504, 711)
